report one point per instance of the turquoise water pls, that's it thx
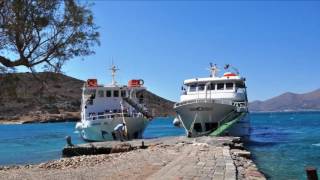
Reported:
(282, 144)
(34, 143)
(162, 127)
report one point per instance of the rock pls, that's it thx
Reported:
(254, 175)
(123, 147)
(242, 153)
(236, 139)
(238, 146)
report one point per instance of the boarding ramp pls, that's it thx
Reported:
(138, 107)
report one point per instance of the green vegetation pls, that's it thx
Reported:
(44, 32)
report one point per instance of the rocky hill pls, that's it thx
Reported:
(48, 96)
(289, 102)
(157, 105)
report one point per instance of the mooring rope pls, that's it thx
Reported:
(194, 120)
(124, 120)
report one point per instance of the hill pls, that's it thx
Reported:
(50, 97)
(289, 102)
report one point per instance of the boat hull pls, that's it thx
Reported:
(202, 118)
(101, 129)
(241, 128)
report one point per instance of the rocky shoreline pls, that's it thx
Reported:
(219, 158)
(39, 117)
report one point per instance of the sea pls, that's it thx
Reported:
(282, 144)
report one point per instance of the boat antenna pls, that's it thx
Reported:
(113, 69)
(214, 70)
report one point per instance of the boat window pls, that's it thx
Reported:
(212, 86)
(229, 86)
(200, 87)
(211, 126)
(116, 93)
(90, 91)
(136, 135)
(141, 99)
(100, 93)
(197, 127)
(108, 93)
(220, 86)
(193, 88)
(123, 93)
(240, 85)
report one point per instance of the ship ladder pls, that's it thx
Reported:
(227, 124)
(137, 107)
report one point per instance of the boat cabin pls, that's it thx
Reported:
(214, 86)
(100, 101)
(225, 87)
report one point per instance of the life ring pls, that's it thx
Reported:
(141, 82)
(92, 82)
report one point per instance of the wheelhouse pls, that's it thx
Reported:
(106, 102)
(214, 86)
(229, 86)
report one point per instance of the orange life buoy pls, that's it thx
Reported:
(92, 82)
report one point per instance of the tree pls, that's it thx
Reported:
(45, 33)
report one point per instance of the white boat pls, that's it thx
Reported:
(104, 107)
(214, 105)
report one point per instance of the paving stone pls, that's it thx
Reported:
(231, 175)
(218, 177)
(200, 164)
(219, 168)
(205, 178)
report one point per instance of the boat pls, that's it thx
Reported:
(103, 107)
(215, 105)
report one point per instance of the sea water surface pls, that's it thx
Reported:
(35, 143)
(282, 144)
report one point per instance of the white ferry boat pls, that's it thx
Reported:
(105, 107)
(214, 105)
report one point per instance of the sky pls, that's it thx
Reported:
(275, 45)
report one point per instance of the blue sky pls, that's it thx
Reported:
(275, 45)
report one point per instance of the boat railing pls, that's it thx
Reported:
(204, 100)
(241, 106)
(113, 115)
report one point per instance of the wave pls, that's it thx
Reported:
(317, 144)
(262, 143)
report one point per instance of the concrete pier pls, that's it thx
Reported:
(217, 158)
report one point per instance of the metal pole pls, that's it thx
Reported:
(311, 173)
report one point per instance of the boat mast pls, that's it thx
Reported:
(113, 69)
(214, 70)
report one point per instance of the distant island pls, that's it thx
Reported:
(53, 97)
(288, 102)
